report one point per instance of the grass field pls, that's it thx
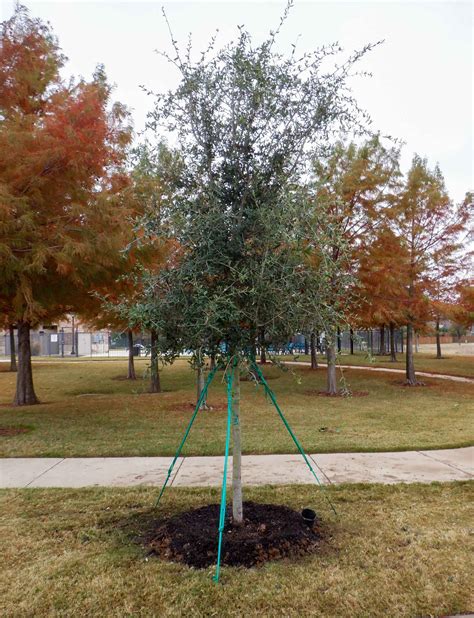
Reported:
(449, 365)
(394, 551)
(88, 410)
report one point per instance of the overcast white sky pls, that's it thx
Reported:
(420, 92)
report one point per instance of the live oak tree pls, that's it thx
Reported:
(248, 122)
(62, 147)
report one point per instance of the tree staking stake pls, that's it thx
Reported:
(271, 394)
(230, 384)
(188, 429)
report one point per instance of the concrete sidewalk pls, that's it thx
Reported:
(402, 467)
(423, 374)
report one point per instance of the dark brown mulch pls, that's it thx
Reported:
(339, 394)
(13, 431)
(269, 532)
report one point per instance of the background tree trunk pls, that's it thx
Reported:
(237, 508)
(155, 384)
(415, 337)
(131, 362)
(13, 366)
(351, 333)
(401, 340)
(393, 350)
(410, 365)
(263, 352)
(339, 340)
(371, 342)
(314, 358)
(25, 393)
(306, 345)
(331, 360)
(382, 340)
(438, 340)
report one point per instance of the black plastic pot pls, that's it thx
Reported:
(308, 516)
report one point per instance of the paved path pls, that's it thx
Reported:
(404, 467)
(424, 374)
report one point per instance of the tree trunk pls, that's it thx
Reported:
(339, 340)
(13, 366)
(131, 361)
(213, 362)
(331, 373)
(438, 340)
(314, 358)
(237, 508)
(382, 340)
(410, 365)
(155, 384)
(371, 342)
(393, 349)
(351, 333)
(200, 383)
(25, 392)
(401, 340)
(416, 342)
(263, 352)
(306, 345)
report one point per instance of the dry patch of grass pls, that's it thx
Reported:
(86, 411)
(400, 550)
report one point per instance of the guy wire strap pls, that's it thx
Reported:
(230, 381)
(270, 393)
(188, 429)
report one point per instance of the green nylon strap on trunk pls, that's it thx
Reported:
(230, 382)
(188, 429)
(270, 393)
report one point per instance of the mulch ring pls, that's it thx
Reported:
(269, 532)
(339, 394)
(8, 431)
(189, 406)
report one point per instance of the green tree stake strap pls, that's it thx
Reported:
(230, 381)
(188, 429)
(290, 431)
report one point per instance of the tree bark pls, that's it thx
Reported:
(382, 340)
(351, 333)
(410, 365)
(438, 340)
(25, 393)
(401, 340)
(13, 366)
(263, 352)
(339, 340)
(200, 382)
(213, 362)
(331, 373)
(371, 342)
(237, 508)
(393, 350)
(314, 358)
(306, 345)
(416, 341)
(131, 361)
(155, 383)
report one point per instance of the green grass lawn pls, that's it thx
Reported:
(449, 365)
(399, 550)
(89, 411)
